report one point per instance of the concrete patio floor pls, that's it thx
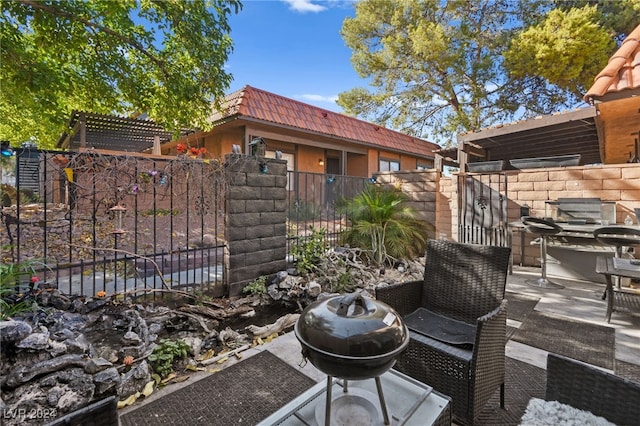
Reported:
(577, 300)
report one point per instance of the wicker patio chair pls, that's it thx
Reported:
(588, 388)
(457, 320)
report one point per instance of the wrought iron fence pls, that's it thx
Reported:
(313, 205)
(117, 223)
(114, 223)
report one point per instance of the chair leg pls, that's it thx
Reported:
(502, 395)
(543, 282)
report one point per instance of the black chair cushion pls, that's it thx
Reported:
(441, 328)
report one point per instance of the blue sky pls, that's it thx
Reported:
(293, 48)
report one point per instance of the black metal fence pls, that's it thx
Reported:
(313, 204)
(93, 222)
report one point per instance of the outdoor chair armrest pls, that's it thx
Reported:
(403, 297)
(491, 336)
(489, 359)
(588, 388)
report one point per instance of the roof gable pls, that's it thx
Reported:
(622, 73)
(257, 104)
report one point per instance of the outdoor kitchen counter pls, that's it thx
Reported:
(571, 253)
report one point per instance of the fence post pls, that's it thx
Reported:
(255, 219)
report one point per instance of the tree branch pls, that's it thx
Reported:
(138, 46)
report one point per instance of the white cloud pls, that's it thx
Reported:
(318, 98)
(304, 6)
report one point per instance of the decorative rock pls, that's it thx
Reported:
(95, 304)
(12, 331)
(56, 348)
(78, 345)
(106, 380)
(59, 301)
(27, 373)
(78, 306)
(195, 345)
(314, 289)
(131, 338)
(281, 276)
(134, 380)
(273, 292)
(35, 342)
(95, 365)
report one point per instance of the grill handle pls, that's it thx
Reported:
(348, 300)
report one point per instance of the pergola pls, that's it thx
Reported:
(574, 132)
(110, 132)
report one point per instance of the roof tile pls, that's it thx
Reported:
(261, 105)
(622, 72)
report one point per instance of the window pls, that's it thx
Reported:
(389, 165)
(290, 163)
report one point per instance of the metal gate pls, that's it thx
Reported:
(482, 217)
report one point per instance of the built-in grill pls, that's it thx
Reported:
(572, 253)
(580, 211)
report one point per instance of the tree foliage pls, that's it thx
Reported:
(567, 49)
(439, 68)
(164, 58)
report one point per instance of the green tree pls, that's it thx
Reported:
(442, 68)
(569, 48)
(383, 225)
(163, 58)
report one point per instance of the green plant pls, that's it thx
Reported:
(342, 283)
(257, 286)
(12, 276)
(308, 251)
(383, 225)
(165, 354)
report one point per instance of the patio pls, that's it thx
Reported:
(578, 302)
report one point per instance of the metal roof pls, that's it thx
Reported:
(250, 103)
(110, 132)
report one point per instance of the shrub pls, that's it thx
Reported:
(309, 250)
(383, 226)
(165, 354)
(257, 286)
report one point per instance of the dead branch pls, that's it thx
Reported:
(224, 355)
(281, 324)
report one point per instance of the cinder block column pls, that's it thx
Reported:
(255, 220)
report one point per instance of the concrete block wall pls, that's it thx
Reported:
(422, 188)
(255, 223)
(612, 182)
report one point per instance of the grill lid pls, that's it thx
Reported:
(352, 326)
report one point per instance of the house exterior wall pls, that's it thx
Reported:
(357, 165)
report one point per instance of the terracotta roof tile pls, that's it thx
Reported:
(258, 104)
(622, 72)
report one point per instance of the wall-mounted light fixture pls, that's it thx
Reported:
(320, 162)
